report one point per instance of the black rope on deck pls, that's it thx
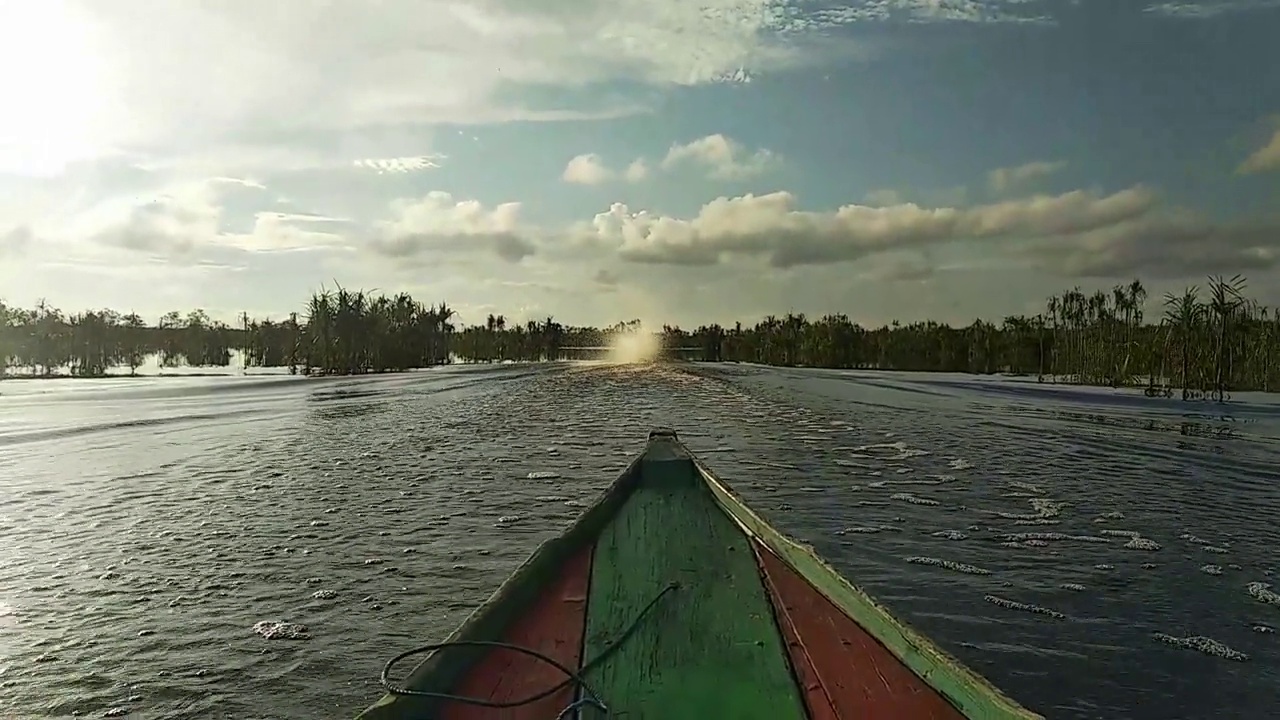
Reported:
(573, 677)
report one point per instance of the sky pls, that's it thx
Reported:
(679, 161)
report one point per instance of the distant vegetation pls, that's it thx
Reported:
(1200, 346)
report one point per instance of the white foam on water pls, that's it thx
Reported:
(1025, 607)
(948, 564)
(281, 630)
(1019, 537)
(960, 464)
(1262, 593)
(1211, 569)
(542, 475)
(890, 452)
(865, 529)
(1206, 645)
(1026, 486)
(951, 535)
(1141, 543)
(908, 497)
(1120, 533)
(1076, 587)
(323, 595)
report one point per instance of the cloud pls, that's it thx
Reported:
(16, 242)
(948, 11)
(401, 164)
(1007, 178)
(638, 170)
(1175, 244)
(606, 279)
(297, 74)
(771, 227)
(186, 222)
(881, 197)
(587, 169)
(1264, 159)
(1206, 9)
(722, 158)
(438, 224)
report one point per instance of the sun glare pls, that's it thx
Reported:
(53, 87)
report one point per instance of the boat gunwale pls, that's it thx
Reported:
(439, 670)
(979, 698)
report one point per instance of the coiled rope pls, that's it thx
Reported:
(589, 696)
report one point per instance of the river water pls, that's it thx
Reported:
(147, 525)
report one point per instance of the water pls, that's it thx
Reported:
(147, 526)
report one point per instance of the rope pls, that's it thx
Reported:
(572, 677)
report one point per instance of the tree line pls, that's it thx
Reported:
(1203, 342)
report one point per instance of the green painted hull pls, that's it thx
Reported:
(730, 640)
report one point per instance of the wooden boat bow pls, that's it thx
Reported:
(670, 598)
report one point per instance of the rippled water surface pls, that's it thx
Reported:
(1094, 553)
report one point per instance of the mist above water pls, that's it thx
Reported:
(635, 345)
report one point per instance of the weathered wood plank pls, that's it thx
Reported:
(554, 626)
(845, 671)
(711, 648)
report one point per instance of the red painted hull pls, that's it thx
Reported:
(552, 626)
(845, 672)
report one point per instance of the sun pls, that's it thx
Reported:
(53, 87)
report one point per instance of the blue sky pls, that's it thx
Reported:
(596, 161)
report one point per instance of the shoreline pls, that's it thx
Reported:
(1161, 391)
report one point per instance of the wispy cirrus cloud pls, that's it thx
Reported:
(412, 163)
(1206, 9)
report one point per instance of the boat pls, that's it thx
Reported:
(670, 598)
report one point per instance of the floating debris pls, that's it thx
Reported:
(1260, 628)
(1025, 607)
(1208, 646)
(949, 565)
